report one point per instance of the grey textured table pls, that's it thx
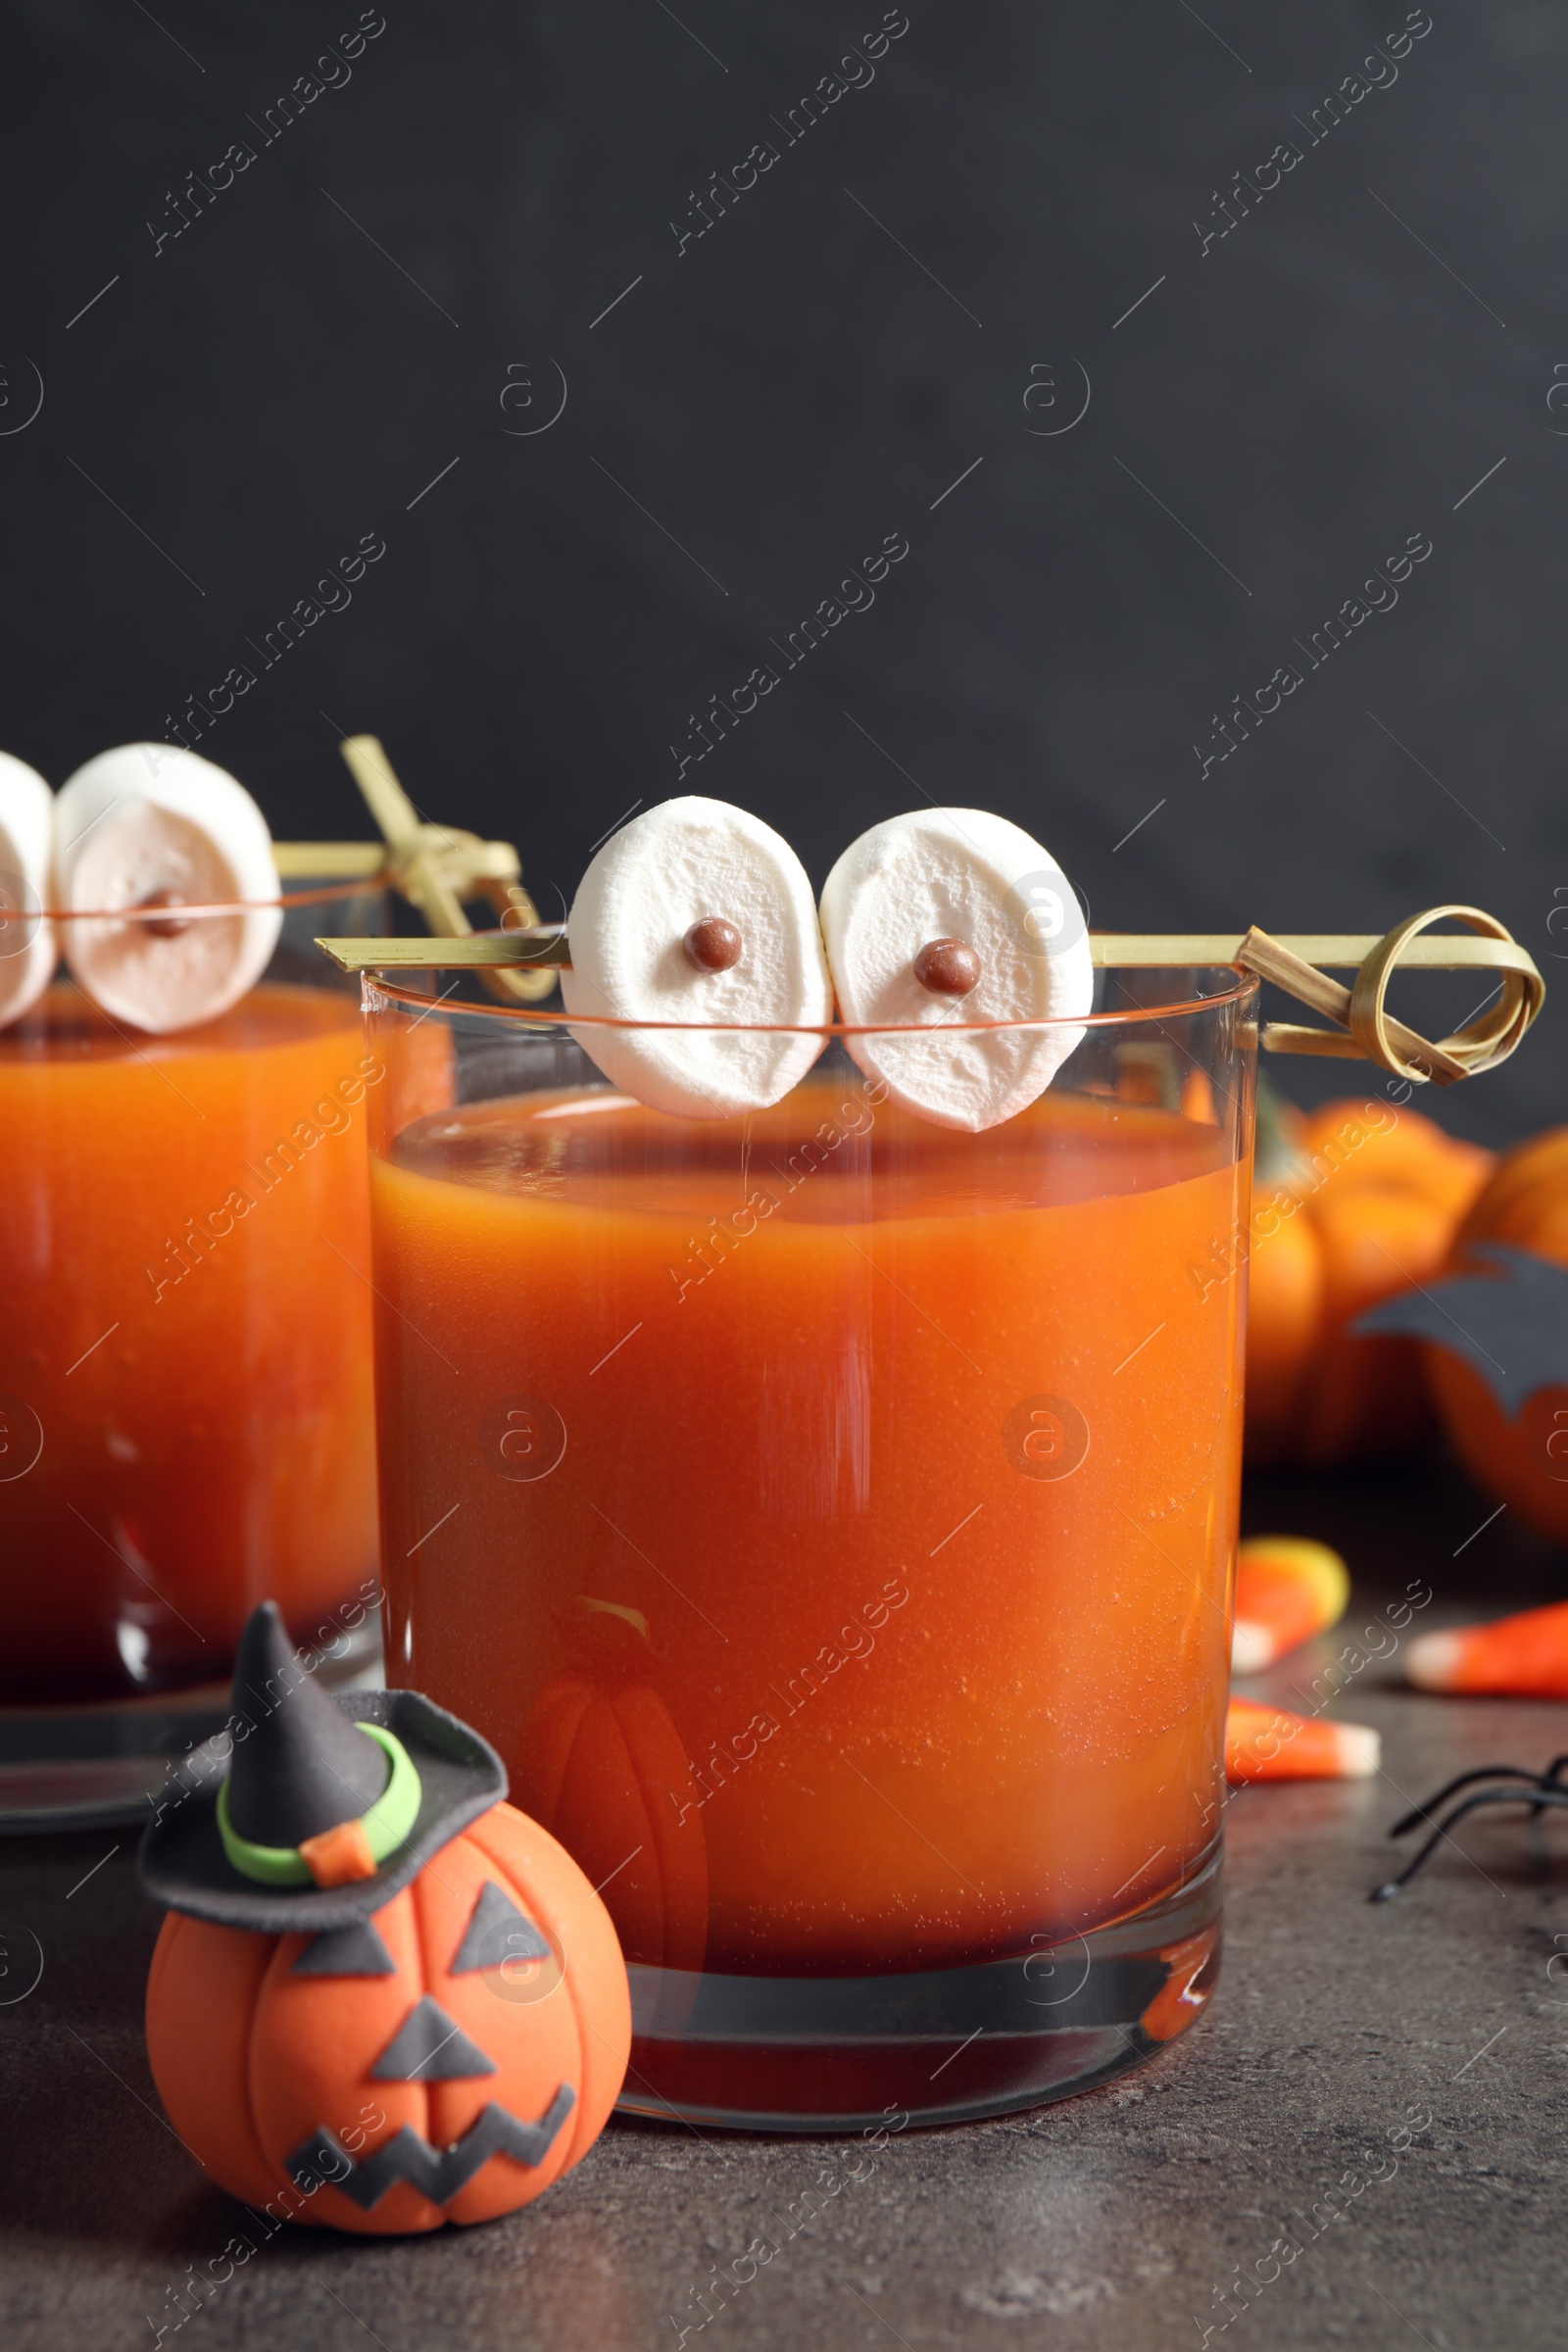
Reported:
(1408, 2060)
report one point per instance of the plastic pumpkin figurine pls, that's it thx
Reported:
(382, 1998)
(1351, 1203)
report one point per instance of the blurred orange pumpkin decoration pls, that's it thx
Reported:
(1522, 1461)
(1351, 1203)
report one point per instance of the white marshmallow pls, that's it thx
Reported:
(28, 945)
(687, 862)
(957, 873)
(147, 819)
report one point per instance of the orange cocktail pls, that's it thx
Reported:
(185, 1372)
(829, 1516)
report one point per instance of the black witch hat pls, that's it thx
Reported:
(310, 1810)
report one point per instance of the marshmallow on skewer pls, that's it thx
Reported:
(948, 916)
(27, 944)
(153, 825)
(699, 912)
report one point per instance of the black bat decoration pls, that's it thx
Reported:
(1513, 1326)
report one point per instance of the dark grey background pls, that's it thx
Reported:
(246, 402)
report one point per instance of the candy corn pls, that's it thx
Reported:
(1522, 1657)
(1267, 1743)
(1287, 1589)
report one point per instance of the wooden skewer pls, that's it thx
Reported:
(330, 861)
(532, 947)
(435, 868)
(545, 945)
(1292, 960)
(1341, 950)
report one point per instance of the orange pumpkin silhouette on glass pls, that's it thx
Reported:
(601, 1764)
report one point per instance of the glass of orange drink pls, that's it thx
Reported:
(830, 1516)
(185, 1351)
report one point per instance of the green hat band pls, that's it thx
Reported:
(386, 1823)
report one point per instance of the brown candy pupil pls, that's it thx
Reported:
(167, 926)
(947, 967)
(713, 945)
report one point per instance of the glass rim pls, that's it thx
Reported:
(527, 1017)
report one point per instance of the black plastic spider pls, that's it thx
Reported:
(1547, 1786)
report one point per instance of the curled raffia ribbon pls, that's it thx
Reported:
(1368, 1032)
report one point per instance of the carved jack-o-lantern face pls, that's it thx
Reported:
(445, 2059)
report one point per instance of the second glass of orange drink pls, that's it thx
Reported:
(830, 1516)
(185, 1368)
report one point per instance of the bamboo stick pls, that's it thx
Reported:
(545, 944)
(1363, 1028)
